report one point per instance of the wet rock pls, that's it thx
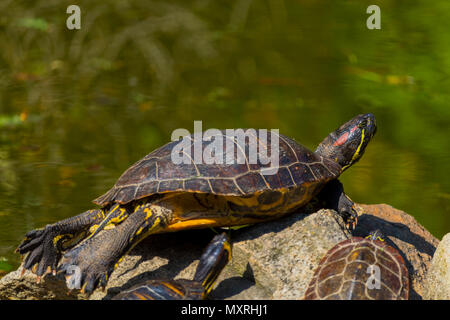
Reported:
(437, 281)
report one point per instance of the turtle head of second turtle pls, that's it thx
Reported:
(347, 144)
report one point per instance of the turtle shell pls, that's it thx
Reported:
(157, 173)
(349, 271)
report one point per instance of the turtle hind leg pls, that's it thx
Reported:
(333, 197)
(96, 258)
(43, 246)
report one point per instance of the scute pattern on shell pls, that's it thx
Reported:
(156, 173)
(342, 273)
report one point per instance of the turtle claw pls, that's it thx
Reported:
(103, 281)
(351, 220)
(92, 281)
(83, 278)
(41, 253)
(350, 226)
(88, 287)
(83, 269)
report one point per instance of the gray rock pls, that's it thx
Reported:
(437, 281)
(273, 260)
(270, 260)
(282, 256)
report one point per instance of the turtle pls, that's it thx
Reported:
(212, 261)
(159, 195)
(360, 269)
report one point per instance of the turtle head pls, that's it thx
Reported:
(346, 145)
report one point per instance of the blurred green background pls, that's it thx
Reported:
(78, 107)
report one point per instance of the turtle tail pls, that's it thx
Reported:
(213, 260)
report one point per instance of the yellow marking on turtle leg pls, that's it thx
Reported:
(139, 231)
(62, 241)
(57, 238)
(148, 212)
(116, 220)
(227, 247)
(140, 296)
(155, 223)
(209, 281)
(100, 215)
(93, 228)
(98, 227)
(117, 263)
(208, 285)
(146, 225)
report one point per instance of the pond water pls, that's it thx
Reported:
(78, 107)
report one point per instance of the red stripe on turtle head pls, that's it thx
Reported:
(342, 139)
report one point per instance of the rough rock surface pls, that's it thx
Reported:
(274, 260)
(16, 286)
(437, 281)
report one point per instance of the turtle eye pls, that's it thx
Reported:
(363, 123)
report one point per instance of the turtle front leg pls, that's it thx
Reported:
(44, 246)
(333, 197)
(91, 263)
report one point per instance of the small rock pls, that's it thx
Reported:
(15, 286)
(437, 282)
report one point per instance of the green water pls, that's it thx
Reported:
(78, 107)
